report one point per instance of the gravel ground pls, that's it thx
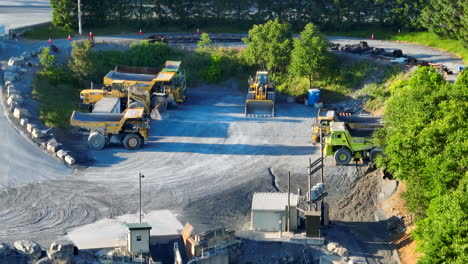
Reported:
(203, 162)
(19, 13)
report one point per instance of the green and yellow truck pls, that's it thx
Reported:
(346, 144)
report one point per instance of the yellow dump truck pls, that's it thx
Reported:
(148, 87)
(325, 117)
(261, 96)
(129, 127)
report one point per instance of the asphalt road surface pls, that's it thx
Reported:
(21, 13)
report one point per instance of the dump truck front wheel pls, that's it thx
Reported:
(96, 141)
(132, 141)
(343, 156)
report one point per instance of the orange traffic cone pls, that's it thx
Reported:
(372, 37)
(198, 31)
(69, 37)
(49, 41)
(140, 32)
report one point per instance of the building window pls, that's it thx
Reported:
(138, 238)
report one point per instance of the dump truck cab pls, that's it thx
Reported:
(130, 128)
(261, 96)
(346, 143)
(89, 97)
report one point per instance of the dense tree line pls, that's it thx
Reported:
(448, 18)
(426, 144)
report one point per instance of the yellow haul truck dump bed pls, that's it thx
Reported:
(130, 128)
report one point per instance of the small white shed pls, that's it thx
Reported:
(138, 237)
(270, 208)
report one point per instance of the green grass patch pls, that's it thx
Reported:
(58, 97)
(45, 32)
(50, 31)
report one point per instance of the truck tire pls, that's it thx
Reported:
(132, 141)
(96, 141)
(374, 153)
(343, 156)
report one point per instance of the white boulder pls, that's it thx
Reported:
(21, 113)
(69, 160)
(32, 249)
(15, 61)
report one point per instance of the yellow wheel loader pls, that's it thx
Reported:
(261, 96)
(130, 128)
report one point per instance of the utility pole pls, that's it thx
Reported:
(141, 10)
(139, 179)
(80, 30)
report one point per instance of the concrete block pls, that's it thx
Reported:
(10, 76)
(24, 121)
(13, 106)
(37, 133)
(53, 145)
(69, 160)
(15, 97)
(12, 90)
(61, 154)
(21, 113)
(30, 127)
(15, 61)
(26, 55)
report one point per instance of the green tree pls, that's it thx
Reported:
(447, 18)
(310, 56)
(81, 63)
(269, 46)
(64, 14)
(444, 233)
(46, 59)
(205, 43)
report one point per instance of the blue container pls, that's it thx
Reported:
(313, 96)
(461, 68)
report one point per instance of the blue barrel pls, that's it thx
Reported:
(313, 96)
(461, 68)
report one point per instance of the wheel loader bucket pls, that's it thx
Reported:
(259, 108)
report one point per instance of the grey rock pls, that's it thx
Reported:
(32, 249)
(61, 251)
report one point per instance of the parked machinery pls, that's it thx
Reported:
(346, 143)
(130, 128)
(151, 88)
(261, 96)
